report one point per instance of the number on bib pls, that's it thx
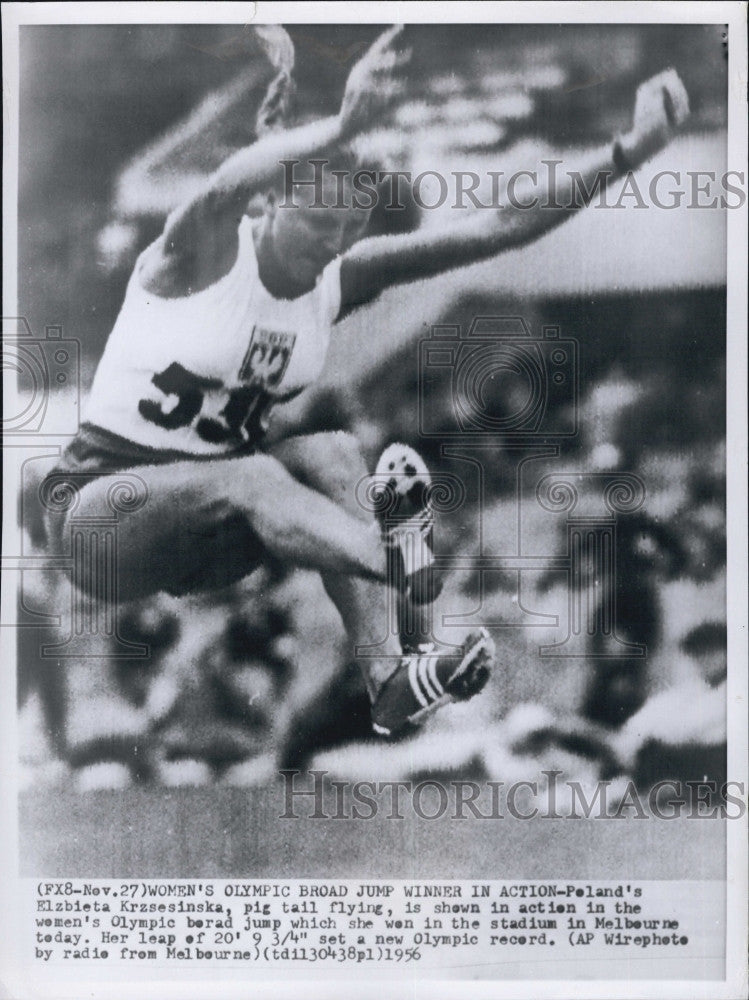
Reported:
(244, 417)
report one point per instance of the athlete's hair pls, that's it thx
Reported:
(273, 112)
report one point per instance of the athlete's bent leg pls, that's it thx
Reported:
(404, 690)
(332, 463)
(206, 524)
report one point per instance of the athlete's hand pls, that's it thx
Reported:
(277, 46)
(661, 106)
(375, 83)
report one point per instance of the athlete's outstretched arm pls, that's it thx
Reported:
(376, 263)
(371, 88)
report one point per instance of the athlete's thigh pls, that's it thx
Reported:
(186, 531)
(329, 462)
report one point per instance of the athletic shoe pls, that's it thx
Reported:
(408, 522)
(422, 683)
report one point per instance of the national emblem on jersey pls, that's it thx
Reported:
(268, 357)
(200, 374)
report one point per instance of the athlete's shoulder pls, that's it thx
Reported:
(177, 270)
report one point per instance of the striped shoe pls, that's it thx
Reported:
(423, 682)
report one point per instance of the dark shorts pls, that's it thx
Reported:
(176, 528)
(94, 452)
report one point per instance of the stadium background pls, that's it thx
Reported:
(169, 768)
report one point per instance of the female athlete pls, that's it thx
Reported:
(224, 318)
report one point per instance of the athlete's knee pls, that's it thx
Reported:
(340, 467)
(263, 474)
(260, 487)
(345, 454)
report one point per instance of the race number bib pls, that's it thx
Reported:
(220, 414)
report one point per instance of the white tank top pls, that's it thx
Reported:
(200, 374)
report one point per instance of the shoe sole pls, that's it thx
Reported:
(399, 462)
(395, 462)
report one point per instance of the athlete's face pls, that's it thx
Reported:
(305, 238)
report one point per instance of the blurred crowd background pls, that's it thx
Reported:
(117, 124)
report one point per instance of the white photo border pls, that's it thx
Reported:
(733, 14)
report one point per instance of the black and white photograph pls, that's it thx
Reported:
(374, 522)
